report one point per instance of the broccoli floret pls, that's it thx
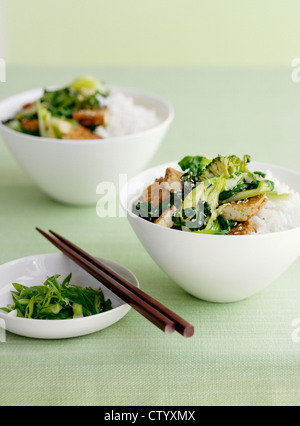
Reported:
(226, 166)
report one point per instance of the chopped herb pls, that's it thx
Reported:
(53, 300)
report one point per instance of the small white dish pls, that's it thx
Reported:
(34, 270)
(215, 268)
(82, 165)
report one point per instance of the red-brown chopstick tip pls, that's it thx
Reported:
(189, 331)
(170, 328)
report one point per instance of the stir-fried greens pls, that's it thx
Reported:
(53, 300)
(71, 112)
(210, 196)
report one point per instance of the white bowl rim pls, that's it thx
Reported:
(193, 234)
(3, 315)
(165, 122)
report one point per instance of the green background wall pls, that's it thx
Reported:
(185, 33)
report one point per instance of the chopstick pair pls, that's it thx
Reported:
(154, 311)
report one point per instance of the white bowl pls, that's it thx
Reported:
(215, 268)
(34, 270)
(70, 171)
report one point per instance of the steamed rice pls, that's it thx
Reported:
(125, 117)
(279, 215)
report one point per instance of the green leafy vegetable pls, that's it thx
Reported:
(208, 190)
(194, 165)
(199, 206)
(64, 102)
(263, 187)
(236, 179)
(274, 196)
(225, 195)
(14, 125)
(45, 121)
(53, 300)
(260, 174)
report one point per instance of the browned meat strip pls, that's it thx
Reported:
(156, 193)
(243, 228)
(29, 105)
(166, 218)
(81, 133)
(89, 117)
(30, 125)
(173, 177)
(245, 209)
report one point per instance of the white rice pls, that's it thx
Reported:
(125, 117)
(279, 215)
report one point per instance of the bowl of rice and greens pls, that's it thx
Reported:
(89, 132)
(222, 228)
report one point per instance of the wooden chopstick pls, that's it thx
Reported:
(181, 325)
(92, 266)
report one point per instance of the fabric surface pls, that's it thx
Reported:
(241, 353)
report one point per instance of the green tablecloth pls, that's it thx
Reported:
(241, 354)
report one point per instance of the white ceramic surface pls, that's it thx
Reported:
(215, 268)
(34, 270)
(70, 171)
